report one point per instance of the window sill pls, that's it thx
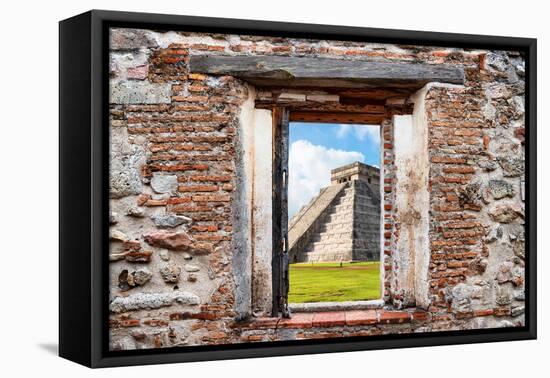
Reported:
(350, 318)
(336, 306)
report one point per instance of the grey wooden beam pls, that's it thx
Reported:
(325, 72)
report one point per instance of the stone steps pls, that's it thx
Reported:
(335, 237)
(332, 255)
(331, 238)
(347, 232)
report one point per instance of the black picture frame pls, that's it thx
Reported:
(83, 180)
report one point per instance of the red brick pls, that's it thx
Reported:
(281, 49)
(441, 317)
(464, 170)
(263, 323)
(197, 76)
(455, 180)
(502, 311)
(329, 319)
(198, 188)
(201, 99)
(212, 198)
(471, 206)
(394, 317)
(190, 108)
(179, 167)
(209, 237)
(197, 88)
(367, 317)
(458, 264)
(420, 316)
(198, 315)
(298, 320)
(129, 323)
(452, 198)
(468, 132)
(486, 141)
(152, 203)
(223, 178)
(447, 160)
(178, 200)
(210, 228)
(441, 53)
(142, 199)
(463, 225)
(464, 315)
(520, 134)
(253, 338)
(204, 46)
(155, 322)
(181, 209)
(217, 335)
(485, 312)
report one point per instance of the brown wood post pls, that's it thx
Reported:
(280, 279)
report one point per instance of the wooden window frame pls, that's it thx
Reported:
(282, 116)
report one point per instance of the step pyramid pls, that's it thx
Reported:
(346, 229)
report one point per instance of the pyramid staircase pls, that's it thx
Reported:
(347, 229)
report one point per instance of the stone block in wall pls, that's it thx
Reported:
(500, 189)
(125, 163)
(142, 301)
(129, 39)
(130, 92)
(511, 166)
(169, 220)
(164, 183)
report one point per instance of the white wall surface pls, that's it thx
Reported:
(29, 190)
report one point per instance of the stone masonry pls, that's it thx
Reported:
(348, 227)
(183, 260)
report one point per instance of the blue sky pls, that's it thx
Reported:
(316, 148)
(340, 137)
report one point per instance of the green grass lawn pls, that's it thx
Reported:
(328, 282)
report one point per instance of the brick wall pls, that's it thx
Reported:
(390, 232)
(175, 180)
(477, 165)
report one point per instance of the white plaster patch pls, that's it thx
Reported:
(262, 212)
(412, 202)
(164, 40)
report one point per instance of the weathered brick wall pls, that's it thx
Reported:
(391, 232)
(477, 166)
(176, 170)
(171, 207)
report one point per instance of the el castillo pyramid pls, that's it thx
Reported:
(341, 223)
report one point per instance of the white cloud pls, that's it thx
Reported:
(361, 132)
(309, 170)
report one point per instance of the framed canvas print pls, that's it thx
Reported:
(233, 188)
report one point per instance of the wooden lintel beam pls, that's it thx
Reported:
(325, 72)
(329, 107)
(327, 117)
